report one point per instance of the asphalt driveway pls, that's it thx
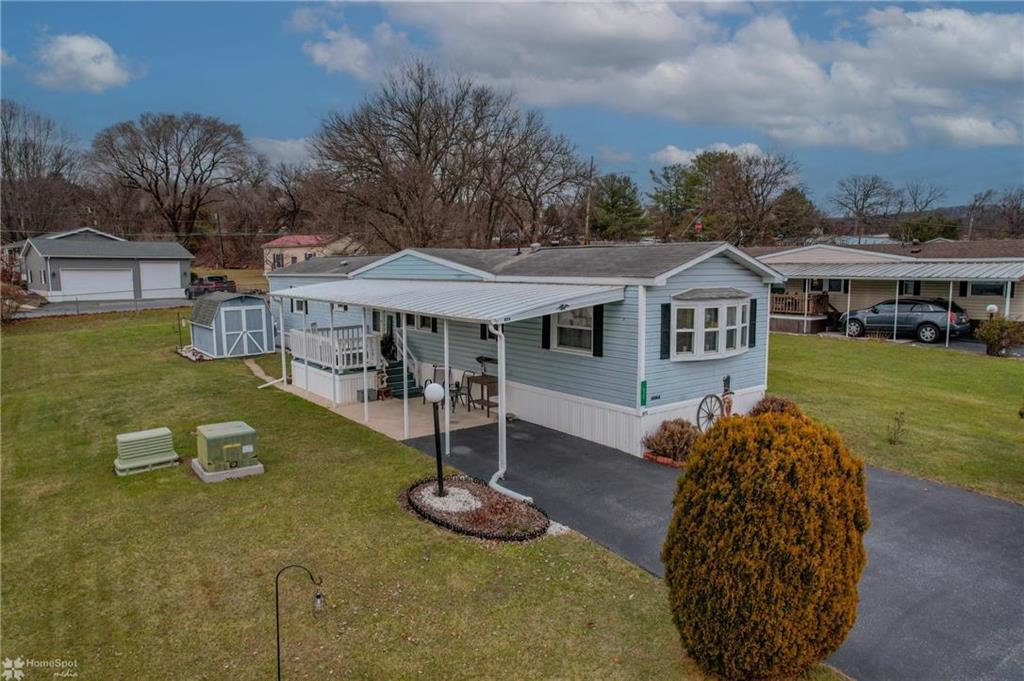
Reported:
(942, 597)
(99, 306)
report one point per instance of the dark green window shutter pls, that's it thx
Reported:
(410, 319)
(917, 288)
(1013, 289)
(433, 324)
(545, 332)
(666, 330)
(963, 289)
(598, 331)
(846, 285)
(483, 332)
(752, 341)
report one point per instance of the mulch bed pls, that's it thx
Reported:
(497, 517)
(664, 460)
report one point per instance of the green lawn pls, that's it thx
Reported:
(245, 279)
(158, 576)
(961, 420)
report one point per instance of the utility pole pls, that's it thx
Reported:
(586, 219)
(220, 238)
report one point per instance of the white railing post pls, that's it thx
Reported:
(366, 380)
(284, 362)
(334, 361)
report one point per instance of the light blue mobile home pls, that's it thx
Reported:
(601, 342)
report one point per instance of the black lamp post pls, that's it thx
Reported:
(434, 394)
(318, 605)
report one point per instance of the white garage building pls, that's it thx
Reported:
(87, 264)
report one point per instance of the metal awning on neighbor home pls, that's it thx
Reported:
(940, 270)
(467, 301)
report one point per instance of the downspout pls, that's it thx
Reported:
(502, 421)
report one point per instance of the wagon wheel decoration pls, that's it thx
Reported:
(708, 412)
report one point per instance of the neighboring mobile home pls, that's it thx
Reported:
(601, 342)
(294, 248)
(823, 281)
(87, 264)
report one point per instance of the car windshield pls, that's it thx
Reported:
(217, 278)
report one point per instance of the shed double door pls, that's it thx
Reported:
(245, 330)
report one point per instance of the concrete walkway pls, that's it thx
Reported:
(942, 597)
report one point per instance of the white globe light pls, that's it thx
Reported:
(992, 309)
(434, 392)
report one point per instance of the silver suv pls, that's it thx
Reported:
(923, 318)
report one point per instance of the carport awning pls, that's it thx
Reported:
(470, 301)
(942, 270)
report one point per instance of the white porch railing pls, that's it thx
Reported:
(318, 347)
(411, 362)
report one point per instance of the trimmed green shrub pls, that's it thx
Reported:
(775, 403)
(765, 550)
(674, 439)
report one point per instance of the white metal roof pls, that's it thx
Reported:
(472, 301)
(944, 270)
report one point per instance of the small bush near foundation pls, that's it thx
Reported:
(673, 439)
(777, 404)
(765, 549)
(1000, 334)
(896, 431)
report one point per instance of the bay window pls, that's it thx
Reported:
(709, 328)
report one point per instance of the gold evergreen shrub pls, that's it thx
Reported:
(776, 403)
(674, 439)
(765, 550)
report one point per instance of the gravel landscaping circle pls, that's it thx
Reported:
(471, 507)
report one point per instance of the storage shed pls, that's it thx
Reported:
(232, 325)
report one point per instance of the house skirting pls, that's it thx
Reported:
(318, 381)
(795, 324)
(608, 424)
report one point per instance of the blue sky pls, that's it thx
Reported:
(932, 92)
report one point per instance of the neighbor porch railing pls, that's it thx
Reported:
(341, 346)
(798, 303)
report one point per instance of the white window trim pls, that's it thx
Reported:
(420, 325)
(698, 307)
(571, 350)
(300, 302)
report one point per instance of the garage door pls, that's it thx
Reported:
(161, 280)
(96, 284)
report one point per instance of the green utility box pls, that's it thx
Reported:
(224, 446)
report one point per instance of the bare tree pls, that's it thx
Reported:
(433, 160)
(922, 196)
(977, 206)
(753, 184)
(38, 167)
(1011, 210)
(866, 199)
(178, 161)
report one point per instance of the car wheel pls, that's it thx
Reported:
(855, 328)
(188, 294)
(928, 333)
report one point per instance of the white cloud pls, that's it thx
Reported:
(671, 154)
(80, 62)
(338, 49)
(6, 58)
(913, 72)
(293, 151)
(614, 154)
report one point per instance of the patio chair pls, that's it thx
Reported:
(438, 377)
(463, 390)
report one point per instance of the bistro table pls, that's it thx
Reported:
(488, 387)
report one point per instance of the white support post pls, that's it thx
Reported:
(405, 379)
(284, 361)
(949, 312)
(807, 301)
(896, 310)
(305, 344)
(366, 378)
(447, 397)
(334, 361)
(1006, 304)
(849, 295)
(641, 344)
(767, 331)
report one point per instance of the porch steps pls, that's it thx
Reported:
(394, 379)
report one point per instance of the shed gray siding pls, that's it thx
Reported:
(669, 381)
(211, 340)
(412, 267)
(610, 378)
